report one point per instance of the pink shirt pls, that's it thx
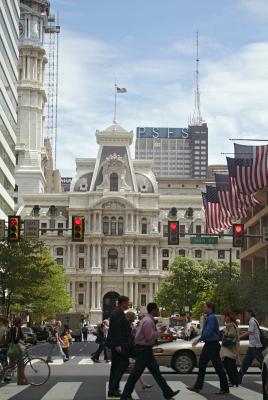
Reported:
(146, 333)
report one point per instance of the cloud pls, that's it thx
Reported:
(257, 7)
(234, 94)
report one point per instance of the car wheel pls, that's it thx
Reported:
(183, 362)
(265, 384)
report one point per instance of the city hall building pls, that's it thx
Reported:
(125, 250)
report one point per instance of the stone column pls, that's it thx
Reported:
(156, 257)
(69, 256)
(126, 256)
(150, 291)
(28, 68)
(24, 67)
(136, 295)
(93, 256)
(131, 255)
(156, 287)
(125, 289)
(132, 222)
(137, 263)
(98, 295)
(137, 223)
(131, 292)
(74, 256)
(94, 222)
(88, 295)
(151, 261)
(88, 256)
(99, 256)
(93, 295)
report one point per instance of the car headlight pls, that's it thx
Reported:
(158, 350)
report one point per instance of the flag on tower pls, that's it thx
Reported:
(121, 90)
(251, 163)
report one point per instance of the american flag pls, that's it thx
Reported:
(205, 205)
(227, 197)
(251, 164)
(218, 219)
(241, 200)
(121, 90)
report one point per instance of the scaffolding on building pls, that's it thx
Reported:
(51, 83)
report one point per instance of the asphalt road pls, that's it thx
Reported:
(81, 379)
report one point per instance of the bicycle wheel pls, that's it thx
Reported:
(37, 371)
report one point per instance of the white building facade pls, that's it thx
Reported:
(9, 56)
(125, 250)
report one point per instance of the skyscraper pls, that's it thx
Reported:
(9, 55)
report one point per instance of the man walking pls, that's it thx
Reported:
(255, 347)
(210, 352)
(85, 332)
(118, 339)
(145, 339)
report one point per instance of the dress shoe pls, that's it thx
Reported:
(169, 397)
(223, 392)
(193, 389)
(114, 394)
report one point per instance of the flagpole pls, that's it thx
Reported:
(115, 99)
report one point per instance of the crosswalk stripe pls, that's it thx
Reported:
(241, 392)
(10, 390)
(122, 385)
(258, 382)
(62, 391)
(57, 361)
(86, 361)
(184, 392)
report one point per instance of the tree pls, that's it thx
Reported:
(30, 278)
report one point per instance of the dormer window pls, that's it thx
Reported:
(113, 182)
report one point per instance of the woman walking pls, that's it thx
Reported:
(101, 341)
(230, 348)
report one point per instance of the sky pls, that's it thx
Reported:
(149, 47)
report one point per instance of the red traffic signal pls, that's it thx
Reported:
(238, 235)
(173, 232)
(78, 229)
(14, 228)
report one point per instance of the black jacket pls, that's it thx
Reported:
(119, 333)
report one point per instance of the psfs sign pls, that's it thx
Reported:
(163, 133)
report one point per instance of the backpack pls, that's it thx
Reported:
(263, 339)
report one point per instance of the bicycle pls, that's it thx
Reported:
(37, 370)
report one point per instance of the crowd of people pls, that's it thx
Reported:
(128, 346)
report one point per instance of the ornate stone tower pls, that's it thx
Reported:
(30, 151)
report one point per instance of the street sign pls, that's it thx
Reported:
(31, 228)
(2, 228)
(204, 240)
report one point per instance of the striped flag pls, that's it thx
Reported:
(251, 164)
(227, 197)
(218, 219)
(205, 206)
(241, 200)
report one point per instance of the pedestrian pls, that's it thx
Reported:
(65, 340)
(130, 315)
(119, 336)
(85, 332)
(3, 347)
(145, 339)
(54, 335)
(101, 341)
(255, 347)
(15, 340)
(210, 352)
(230, 348)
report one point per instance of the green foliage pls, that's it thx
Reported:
(30, 279)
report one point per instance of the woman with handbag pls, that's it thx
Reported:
(15, 350)
(230, 348)
(53, 340)
(101, 341)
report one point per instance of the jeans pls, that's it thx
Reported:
(119, 366)
(231, 370)
(52, 346)
(101, 348)
(145, 358)
(251, 354)
(211, 352)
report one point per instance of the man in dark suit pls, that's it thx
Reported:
(118, 339)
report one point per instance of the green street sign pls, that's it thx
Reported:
(204, 240)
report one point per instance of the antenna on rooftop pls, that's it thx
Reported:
(197, 119)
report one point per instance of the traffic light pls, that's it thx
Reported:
(78, 229)
(14, 229)
(238, 235)
(173, 232)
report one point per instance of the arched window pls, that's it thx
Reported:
(112, 259)
(113, 226)
(105, 227)
(114, 182)
(120, 226)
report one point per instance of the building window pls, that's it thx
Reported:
(105, 227)
(112, 258)
(60, 229)
(59, 261)
(143, 300)
(144, 226)
(165, 265)
(221, 254)
(165, 230)
(81, 263)
(238, 254)
(144, 263)
(144, 250)
(60, 251)
(43, 228)
(182, 253)
(182, 230)
(80, 299)
(120, 226)
(165, 253)
(198, 229)
(81, 248)
(198, 253)
(114, 182)
(113, 226)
